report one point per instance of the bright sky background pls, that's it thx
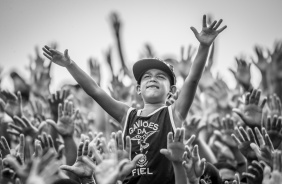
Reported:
(84, 28)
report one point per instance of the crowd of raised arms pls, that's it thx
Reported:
(79, 133)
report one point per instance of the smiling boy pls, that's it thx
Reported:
(148, 127)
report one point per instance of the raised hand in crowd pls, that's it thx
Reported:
(274, 176)
(193, 165)
(116, 25)
(254, 173)
(11, 103)
(62, 59)
(252, 112)
(226, 129)
(40, 75)
(185, 63)
(243, 73)
(274, 104)
(244, 139)
(80, 168)
(66, 117)
(54, 100)
(273, 127)
(95, 70)
(148, 52)
(45, 170)
(263, 148)
(24, 126)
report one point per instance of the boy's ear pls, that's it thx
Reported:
(138, 89)
(173, 89)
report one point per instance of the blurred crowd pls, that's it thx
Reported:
(66, 137)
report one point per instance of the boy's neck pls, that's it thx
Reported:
(149, 108)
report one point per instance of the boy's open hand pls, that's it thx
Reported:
(208, 34)
(56, 56)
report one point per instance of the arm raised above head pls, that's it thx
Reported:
(187, 93)
(115, 108)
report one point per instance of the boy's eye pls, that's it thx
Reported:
(146, 76)
(160, 76)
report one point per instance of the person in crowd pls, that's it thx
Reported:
(201, 131)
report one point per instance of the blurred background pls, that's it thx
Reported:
(84, 28)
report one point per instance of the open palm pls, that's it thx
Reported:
(208, 33)
(56, 56)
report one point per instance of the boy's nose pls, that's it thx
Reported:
(153, 79)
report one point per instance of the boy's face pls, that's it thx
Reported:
(154, 86)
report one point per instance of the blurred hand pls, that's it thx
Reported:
(185, 64)
(275, 176)
(124, 152)
(193, 165)
(80, 167)
(254, 173)
(148, 52)
(274, 104)
(227, 128)
(252, 112)
(24, 126)
(262, 62)
(116, 23)
(243, 73)
(264, 148)
(244, 140)
(274, 130)
(110, 169)
(54, 101)
(11, 103)
(95, 72)
(175, 146)
(4, 147)
(66, 117)
(192, 127)
(44, 170)
(221, 93)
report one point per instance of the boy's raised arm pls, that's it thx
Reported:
(187, 93)
(115, 108)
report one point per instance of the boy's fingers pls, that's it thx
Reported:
(194, 31)
(204, 21)
(218, 24)
(221, 29)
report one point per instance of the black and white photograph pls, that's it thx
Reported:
(140, 92)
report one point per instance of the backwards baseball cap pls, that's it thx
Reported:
(143, 65)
